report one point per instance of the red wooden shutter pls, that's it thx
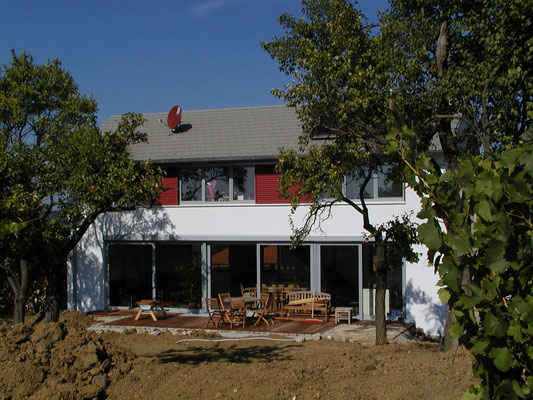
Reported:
(267, 186)
(169, 195)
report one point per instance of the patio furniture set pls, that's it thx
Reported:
(234, 311)
(270, 305)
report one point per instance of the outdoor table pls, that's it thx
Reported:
(150, 307)
(247, 299)
(343, 313)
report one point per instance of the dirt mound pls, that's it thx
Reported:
(47, 360)
(63, 360)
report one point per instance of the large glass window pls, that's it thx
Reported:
(243, 183)
(220, 184)
(281, 265)
(217, 184)
(178, 278)
(191, 184)
(130, 274)
(389, 184)
(383, 184)
(353, 187)
(232, 266)
(339, 274)
(179, 274)
(393, 293)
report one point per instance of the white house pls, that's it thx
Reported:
(220, 224)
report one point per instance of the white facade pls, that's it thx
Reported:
(88, 278)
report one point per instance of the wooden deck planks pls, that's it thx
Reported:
(196, 322)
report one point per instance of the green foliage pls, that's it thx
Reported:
(339, 92)
(58, 171)
(438, 74)
(492, 242)
(331, 55)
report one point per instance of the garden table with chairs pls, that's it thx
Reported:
(279, 293)
(236, 310)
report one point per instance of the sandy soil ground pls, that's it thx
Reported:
(63, 361)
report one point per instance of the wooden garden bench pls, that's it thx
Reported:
(307, 304)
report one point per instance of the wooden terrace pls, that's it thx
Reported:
(126, 318)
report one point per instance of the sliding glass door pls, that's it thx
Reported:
(339, 274)
(130, 273)
(170, 272)
(178, 274)
(232, 266)
(281, 265)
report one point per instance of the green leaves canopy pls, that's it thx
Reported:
(485, 259)
(437, 74)
(58, 171)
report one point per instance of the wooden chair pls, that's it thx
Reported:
(237, 313)
(215, 311)
(263, 309)
(225, 304)
(249, 291)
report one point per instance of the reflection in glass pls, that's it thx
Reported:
(232, 266)
(340, 275)
(217, 184)
(389, 185)
(179, 274)
(130, 274)
(191, 184)
(243, 183)
(353, 186)
(281, 265)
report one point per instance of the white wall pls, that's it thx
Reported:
(87, 275)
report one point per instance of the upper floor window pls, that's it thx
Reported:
(383, 184)
(220, 184)
(191, 184)
(389, 184)
(217, 181)
(243, 183)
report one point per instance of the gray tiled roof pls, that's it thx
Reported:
(253, 133)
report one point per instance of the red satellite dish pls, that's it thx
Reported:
(174, 117)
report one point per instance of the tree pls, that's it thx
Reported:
(59, 172)
(331, 54)
(459, 72)
(490, 242)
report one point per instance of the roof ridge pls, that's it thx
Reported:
(214, 109)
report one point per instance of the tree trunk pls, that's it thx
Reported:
(54, 287)
(381, 283)
(51, 306)
(449, 343)
(19, 285)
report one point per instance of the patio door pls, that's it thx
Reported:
(232, 266)
(341, 273)
(281, 265)
(130, 273)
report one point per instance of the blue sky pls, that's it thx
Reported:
(146, 56)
